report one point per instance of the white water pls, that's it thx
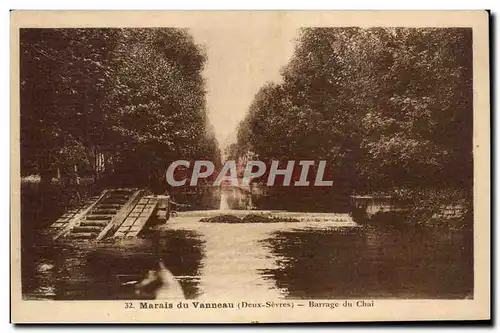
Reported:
(223, 201)
(235, 255)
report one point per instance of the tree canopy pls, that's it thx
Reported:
(112, 99)
(386, 107)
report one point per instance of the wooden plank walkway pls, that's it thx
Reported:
(96, 218)
(63, 222)
(124, 211)
(137, 218)
(75, 219)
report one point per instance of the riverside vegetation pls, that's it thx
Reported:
(389, 109)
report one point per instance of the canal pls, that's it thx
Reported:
(293, 260)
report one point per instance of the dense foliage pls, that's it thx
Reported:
(111, 101)
(387, 107)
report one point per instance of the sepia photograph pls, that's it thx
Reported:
(263, 163)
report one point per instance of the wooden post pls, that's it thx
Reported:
(163, 207)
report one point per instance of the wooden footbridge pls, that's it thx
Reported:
(116, 213)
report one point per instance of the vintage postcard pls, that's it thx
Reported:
(250, 166)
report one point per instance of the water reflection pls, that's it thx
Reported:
(373, 263)
(260, 261)
(97, 272)
(233, 259)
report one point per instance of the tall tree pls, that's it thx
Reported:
(111, 98)
(387, 107)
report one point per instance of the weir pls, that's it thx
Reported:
(126, 212)
(237, 197)
(224, 205)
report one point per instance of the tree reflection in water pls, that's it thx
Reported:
(373, 263)
(98, 272)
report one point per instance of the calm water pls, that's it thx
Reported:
(260, 261)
